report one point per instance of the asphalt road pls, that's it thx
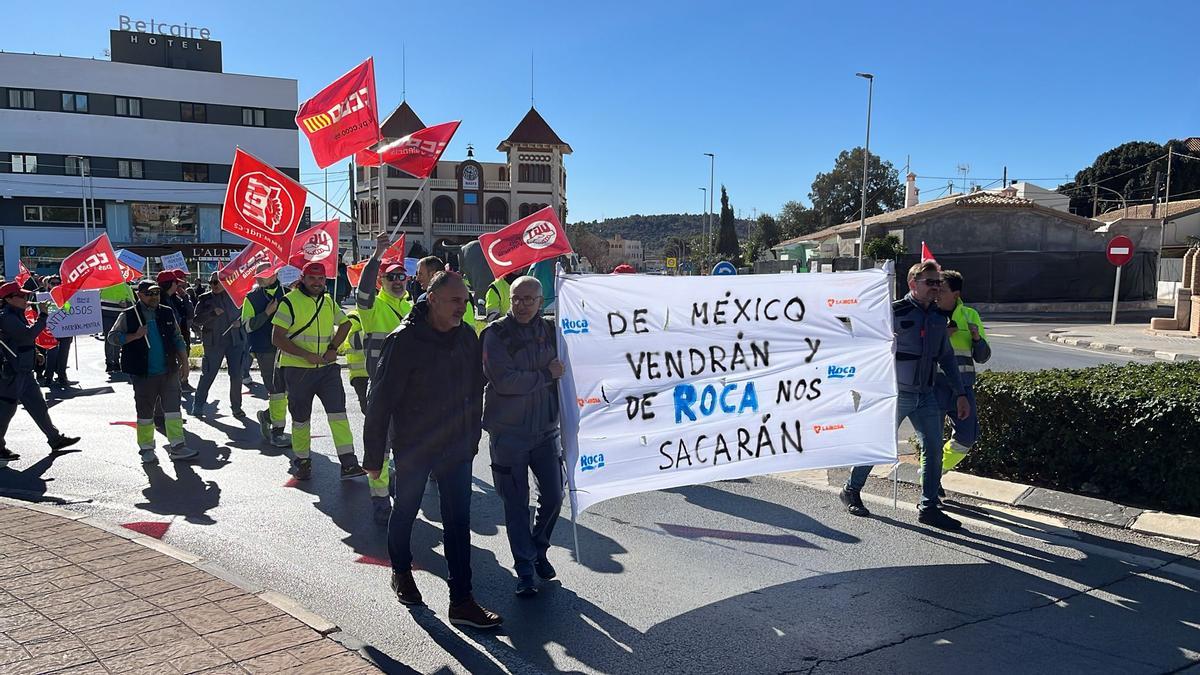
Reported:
(759, 575)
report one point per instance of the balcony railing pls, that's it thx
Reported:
(443, 184)
(499, 185)
(464, 229)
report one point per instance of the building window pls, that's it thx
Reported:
(360, 174)
(193, 112)
(254, 117)
(497, 211)
(20, 98)
(393, 211)
(535, 173)
(72, 167)
(61, 214)
(130, 168)
(443, 210)
(129, 107)
(24, 163)
(393, 172)
(195, 173)
(503, 173)
(74, 102)
(162, 223)
(414, 214)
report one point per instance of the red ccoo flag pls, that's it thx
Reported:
(92, 266)
(926, 254)
(343, 117)
(417, 153)
(262, 204)
(317, 244)
(534, 238)
(237, 276)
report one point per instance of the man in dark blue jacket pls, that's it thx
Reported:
(520, 413)
(922, 344)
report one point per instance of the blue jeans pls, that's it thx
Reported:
(926, 415)
(211, 365)
(513, 459)
(454, 489)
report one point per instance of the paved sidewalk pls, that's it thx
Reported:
(78, 599)
(1135, 338)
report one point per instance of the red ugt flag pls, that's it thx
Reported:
(92, 266)
(128, 273)
(534, 238)
(417, 153)
(342, 118)
(237, 276)
(262, 204)
(318, 244)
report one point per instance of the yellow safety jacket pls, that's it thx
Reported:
(353, 348)
(497, 302)
(310, 324)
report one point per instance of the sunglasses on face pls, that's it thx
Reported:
(153, 294)
(395, 276)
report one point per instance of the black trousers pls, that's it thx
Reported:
(24, 391)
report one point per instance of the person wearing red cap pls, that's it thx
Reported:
(624, 269)
(173, 286)
(17, 385)
(308, 328)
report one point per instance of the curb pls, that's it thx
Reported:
(1156, 523)
(284, 603)
(1121, 349)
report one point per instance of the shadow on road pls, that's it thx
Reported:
(29, 484)
(760, 511)
(59, 395)
(185, 495)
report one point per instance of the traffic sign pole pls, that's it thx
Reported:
(1119, 252)
(1116, 290)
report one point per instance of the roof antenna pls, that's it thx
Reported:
(531, 78)
(403, 73)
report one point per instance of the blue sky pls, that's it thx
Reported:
(641, 90)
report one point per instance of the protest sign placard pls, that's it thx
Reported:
(82, 319)
(288, 275)
(175, 261)
(132, 259)
(682, 380)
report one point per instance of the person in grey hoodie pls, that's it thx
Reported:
(221, 333)
(520, 414)
(922, 344)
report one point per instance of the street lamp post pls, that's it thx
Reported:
(712, 170)
(704, 223)
(79, 159)
(862, 216)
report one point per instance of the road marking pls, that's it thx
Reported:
(1000, 335)
(1085, 350)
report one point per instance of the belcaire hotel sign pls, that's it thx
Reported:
(151, 42)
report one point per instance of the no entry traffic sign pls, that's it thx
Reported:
(1119, 250)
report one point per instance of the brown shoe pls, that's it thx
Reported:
(469, 613)
(406, 589)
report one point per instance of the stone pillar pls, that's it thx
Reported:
(1190, 269)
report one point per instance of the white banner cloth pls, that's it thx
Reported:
(83, 319)
(676, 381)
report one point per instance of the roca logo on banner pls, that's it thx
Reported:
(540, 234)
(840, 372)
(591, 462)
(574, 326)
(318, 246)
(264, 202)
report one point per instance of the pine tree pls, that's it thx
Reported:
(727, 239)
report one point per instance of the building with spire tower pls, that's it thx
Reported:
(464, 198)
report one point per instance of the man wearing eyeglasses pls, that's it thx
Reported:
(922, 344)
(520, 414)
(17, 385)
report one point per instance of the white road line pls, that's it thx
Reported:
(1000, 335)
(1085, 350)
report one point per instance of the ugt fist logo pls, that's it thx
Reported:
(318, 246)
(264, 202)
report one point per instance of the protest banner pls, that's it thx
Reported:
(262, 204)
(237, 276)
(317, 244)
(536, 237)
(682, 380)
(342, 118)
(92, 266)
(174, 261)
(83, 318)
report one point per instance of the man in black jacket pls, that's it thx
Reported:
(426, 400)
(220, 324)
(17, 386)
(520, 413)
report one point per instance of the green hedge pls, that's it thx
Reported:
(1129, 434)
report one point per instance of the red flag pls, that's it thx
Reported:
(128, 273)
(317, 244)
(366, 157)
(354, 272)
(92, 266)
(22, 274)
(418, 153)
(44, 339)
(534, 238)
(262, 204)
(395, 252)
(926, 254)
(343, 117)
(237, 276)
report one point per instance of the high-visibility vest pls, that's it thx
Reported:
(319, 317)
(961, 340)
(497, 302)
(354, 348)
(111, 297)
(384, 316)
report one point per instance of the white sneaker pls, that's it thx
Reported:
(181, 452)
(148, 457)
